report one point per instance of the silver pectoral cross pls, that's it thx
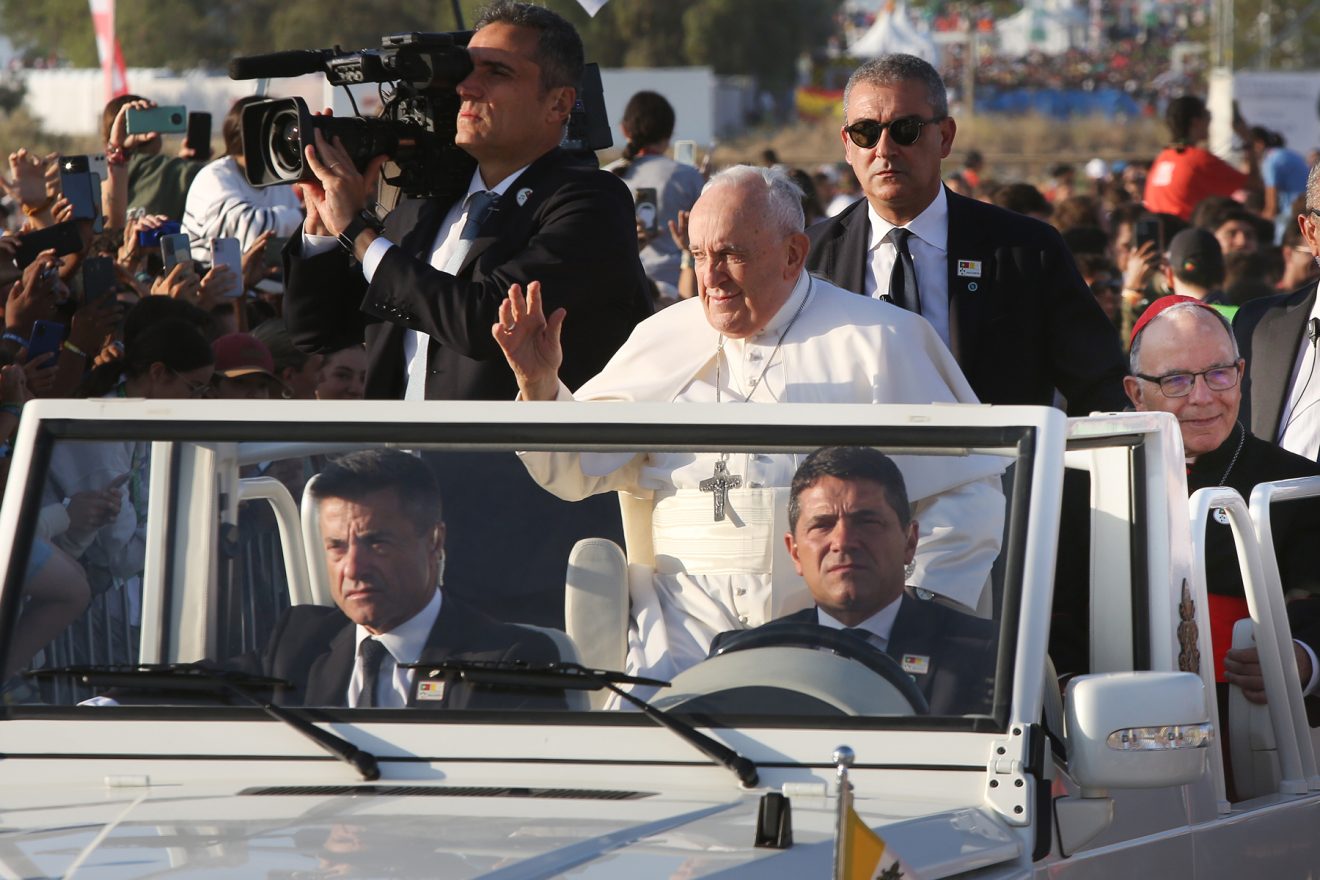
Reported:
(719, 484)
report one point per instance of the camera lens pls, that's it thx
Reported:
(175, 119)
(284, 144)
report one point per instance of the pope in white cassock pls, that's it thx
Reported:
(761, 330)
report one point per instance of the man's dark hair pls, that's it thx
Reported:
(356, 475)
(559, 51)
(850, 463)
(1181, 114)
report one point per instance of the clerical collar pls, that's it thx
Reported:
(779, 322)
(880, 624)
(931, 225)
(407, 640)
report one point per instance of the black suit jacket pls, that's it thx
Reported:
(958, 650)
(1025, 326)
(566, 225)
(314, 647)
(1269, 332)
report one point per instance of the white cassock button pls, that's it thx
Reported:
(742, 618)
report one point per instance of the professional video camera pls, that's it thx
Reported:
(418, 119)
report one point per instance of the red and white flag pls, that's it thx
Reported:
(107, 48)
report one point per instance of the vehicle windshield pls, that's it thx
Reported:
(809, 574)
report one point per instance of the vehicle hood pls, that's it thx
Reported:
(437, 832)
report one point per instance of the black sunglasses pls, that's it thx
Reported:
(905, 130)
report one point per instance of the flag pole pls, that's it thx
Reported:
(843, 759)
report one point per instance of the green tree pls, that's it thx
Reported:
(759, 37)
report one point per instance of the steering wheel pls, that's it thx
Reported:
(810, 635)
(795, 668)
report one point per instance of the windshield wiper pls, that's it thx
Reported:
(575, 676)
(210, 679)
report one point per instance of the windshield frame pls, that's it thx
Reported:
(502, 427)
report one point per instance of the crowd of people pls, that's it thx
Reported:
(911, 282)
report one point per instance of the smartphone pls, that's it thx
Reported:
(47, 336)
(685, 153)
(97, 165)
(74, 164)
(166, 120)
(83, 190)
(648, 211)
(1148, 229)
(98, 278)
(63, 237)
(175, 249)
(150, 238)
(227, 252)
(198, 138)
(275, 252)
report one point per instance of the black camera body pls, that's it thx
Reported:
(417, 124)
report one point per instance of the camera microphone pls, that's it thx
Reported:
(275, 65)
(1313, 330)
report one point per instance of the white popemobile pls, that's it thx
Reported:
(128, 748)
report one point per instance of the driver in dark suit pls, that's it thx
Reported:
(384, 546)
(852, 537)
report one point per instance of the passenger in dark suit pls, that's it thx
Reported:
(852, 536)
(384, 542)
(1271, 332)
(422, 301)
(1000, 288)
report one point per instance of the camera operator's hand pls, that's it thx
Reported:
(343, 191)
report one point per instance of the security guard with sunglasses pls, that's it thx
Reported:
(1000, 289)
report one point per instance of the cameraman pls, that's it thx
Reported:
(424, 302)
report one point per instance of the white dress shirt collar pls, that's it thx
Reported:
(477, 185)
(407, 640)
(880, 624)
(931, 225)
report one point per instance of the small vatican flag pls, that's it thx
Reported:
(860, 853)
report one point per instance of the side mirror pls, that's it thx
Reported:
(1136, 730)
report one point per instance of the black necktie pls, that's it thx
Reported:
(903, 280)
(866, 636)
(373, 652)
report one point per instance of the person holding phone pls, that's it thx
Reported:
(647, 126)
(138, 173)
(222, 204)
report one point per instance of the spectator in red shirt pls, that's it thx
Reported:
(1184, 173)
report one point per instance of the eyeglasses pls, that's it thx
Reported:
(905, 130)
(195, 389)
(1220, 378)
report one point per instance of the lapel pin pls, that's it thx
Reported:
(969, 268)
(971, 286)
(523, 195)
(916, 664)
(430, 690)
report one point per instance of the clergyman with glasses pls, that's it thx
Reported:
(1000, 289)
(1185, 361)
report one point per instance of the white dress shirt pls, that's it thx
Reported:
(929, 245)
(415, 342)
(1299, 424)
(403, 644)
(880, 624)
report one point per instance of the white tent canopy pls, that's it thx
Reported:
(1042, 26)
(893, 31)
